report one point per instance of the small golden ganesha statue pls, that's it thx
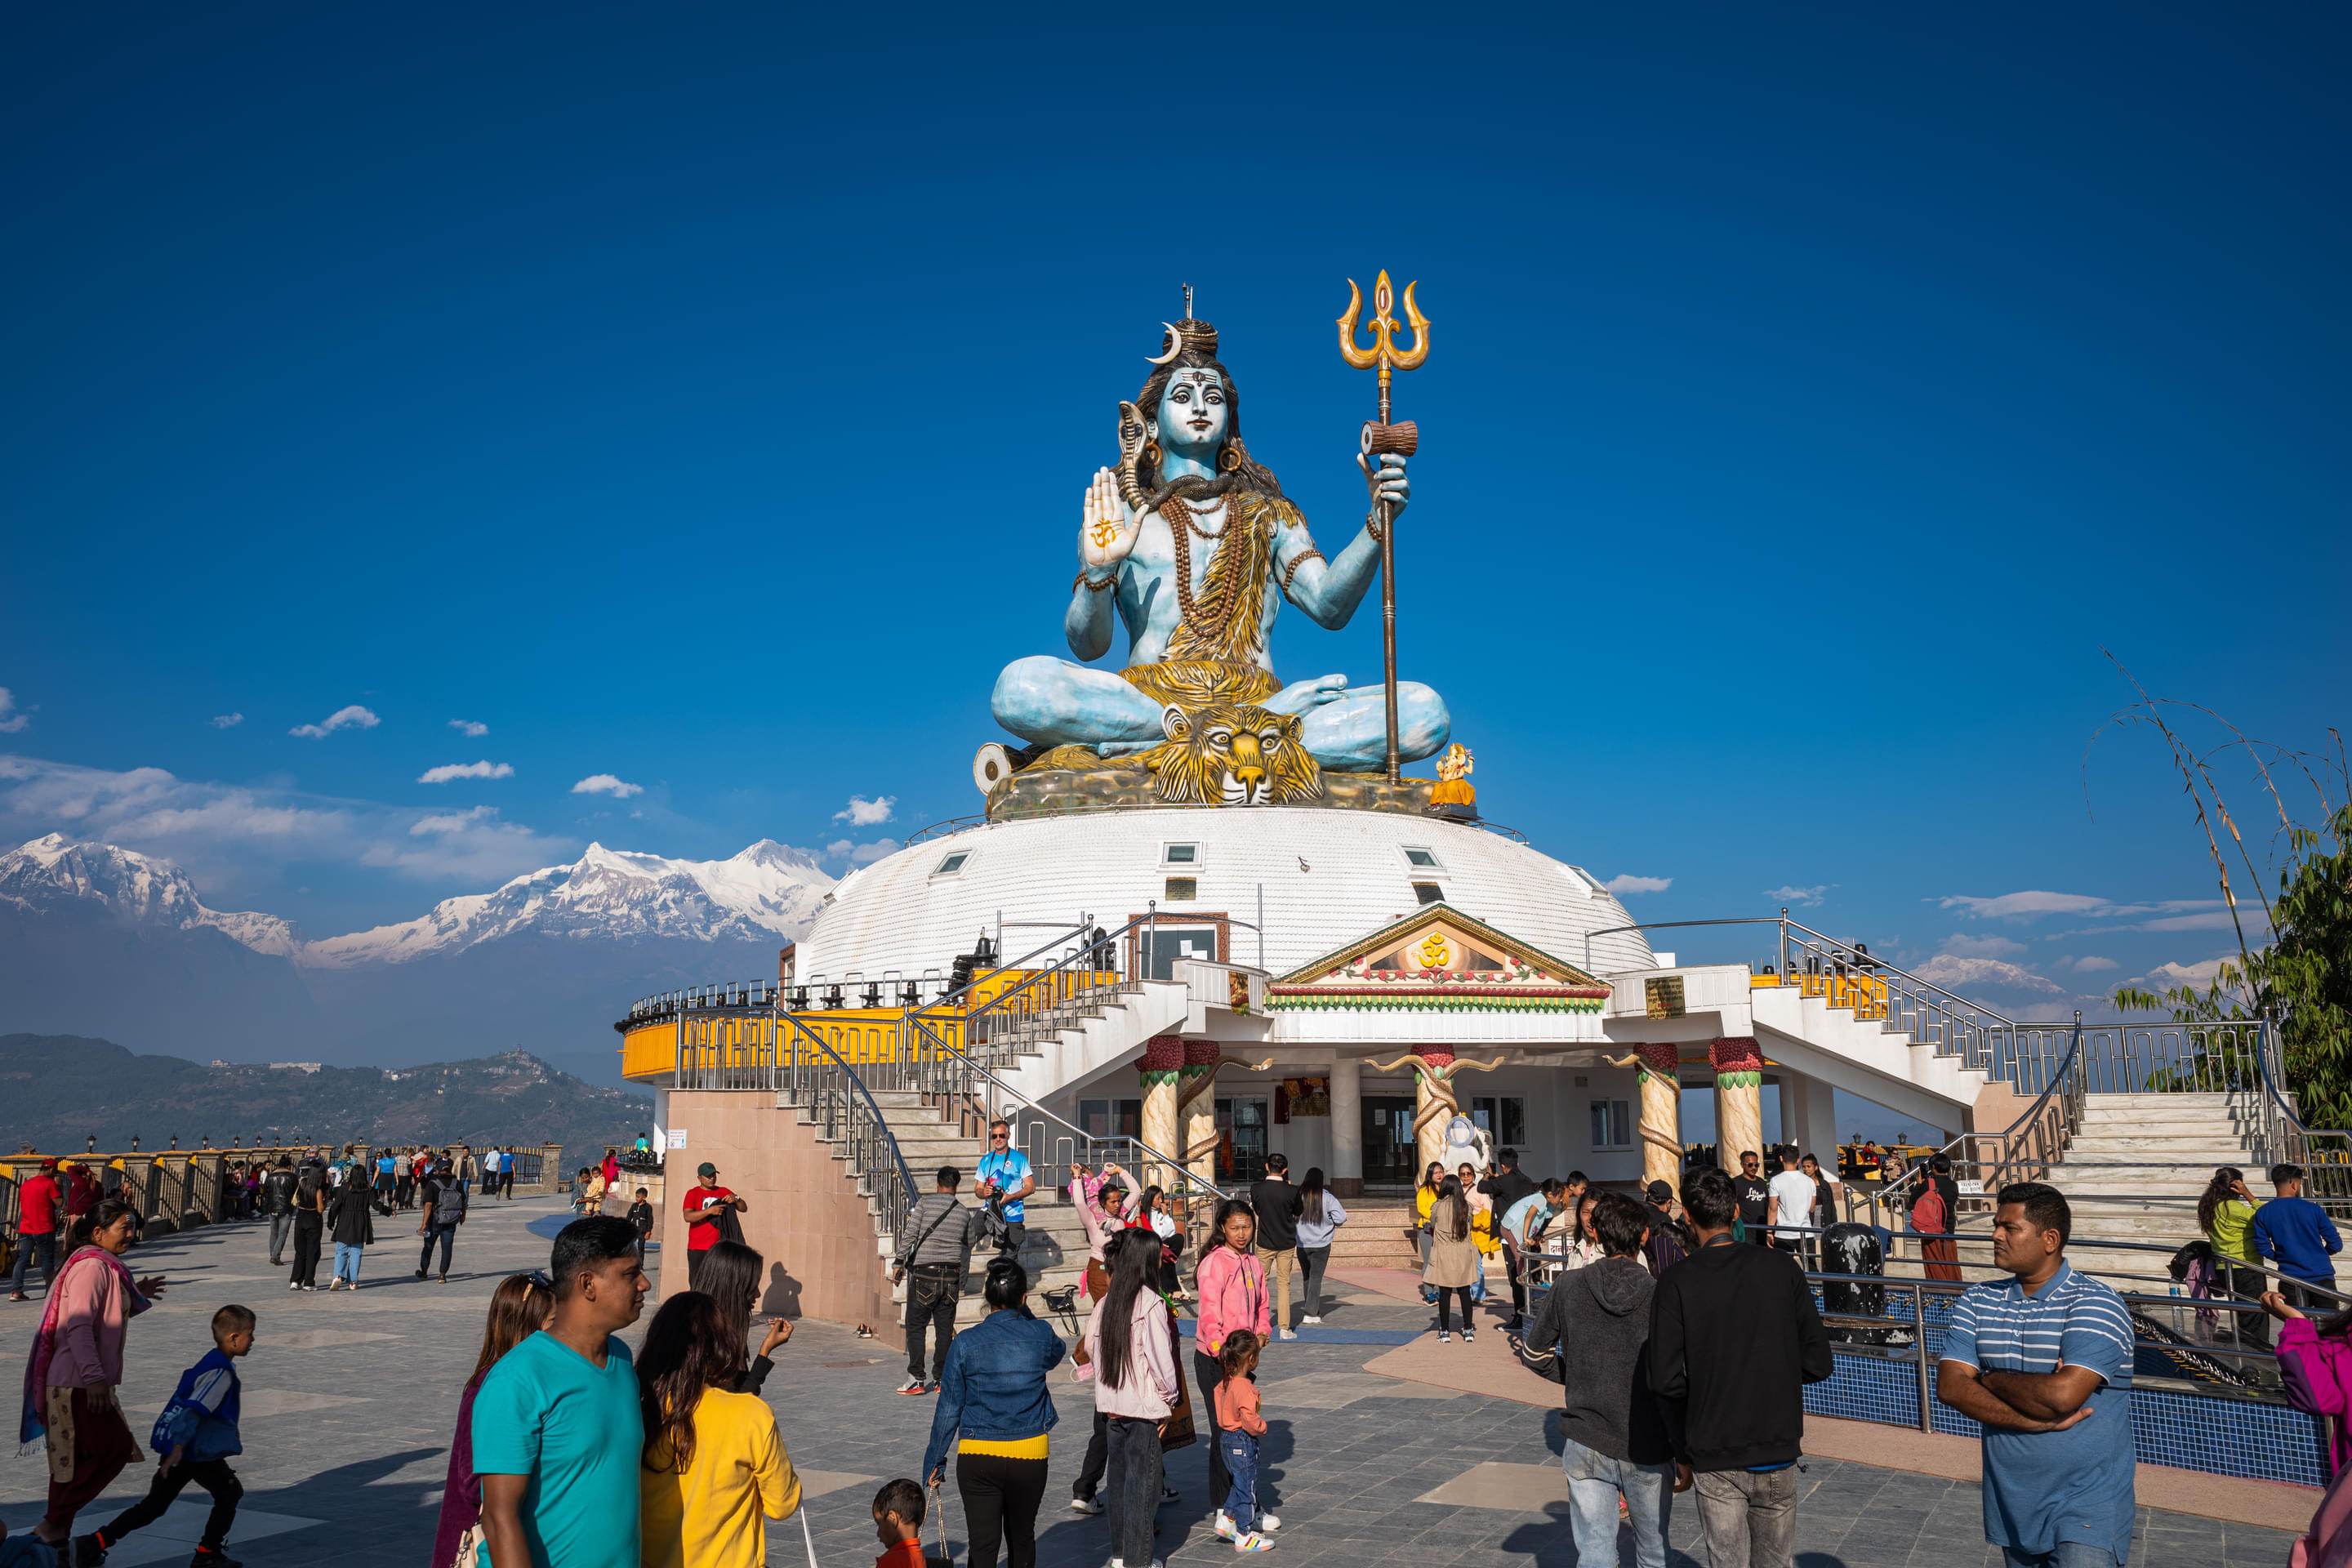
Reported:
(1452, 795)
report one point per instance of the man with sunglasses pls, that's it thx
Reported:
(1004, 1180)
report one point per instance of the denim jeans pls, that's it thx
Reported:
(1240, 1449)
(1132, 1503)
(1595, 1480)
(2067, 1554)
(46, 1244)
(448, 1236)
(1749, 1517)
(347, 1263)
(281, 1226)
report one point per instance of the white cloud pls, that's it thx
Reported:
(342, 718)
(867, 854)
(236, 839)
(606, 784)
(448, 771)
(1982, 947)
(839, 846)
(12, 720)
(2169, 914)
(227, 721)
(2209, 920)
(2090, 965)
(1629, 883)
(451, 822)
(1805, 896)
(1958, 973)
(469, 729)
(864, 813)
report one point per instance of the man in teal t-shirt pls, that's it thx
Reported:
(556, 1430)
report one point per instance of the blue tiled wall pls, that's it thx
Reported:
(2220, 1436)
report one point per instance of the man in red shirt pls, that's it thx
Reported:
(705, 1202)
(37, 1201)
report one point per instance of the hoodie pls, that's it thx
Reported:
(1733, 1338)
(1599, 1316)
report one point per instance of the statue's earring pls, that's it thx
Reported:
(1151, 453)
(1230, 459)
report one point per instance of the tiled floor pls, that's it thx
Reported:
(349, 1401)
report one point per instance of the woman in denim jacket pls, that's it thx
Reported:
(993, 1393)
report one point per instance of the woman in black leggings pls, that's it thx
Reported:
(993, 1394)
(1453, 1266)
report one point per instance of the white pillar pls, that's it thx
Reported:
(1347, 1173)
(1809, 1112)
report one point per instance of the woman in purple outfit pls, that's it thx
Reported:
(523, 1305)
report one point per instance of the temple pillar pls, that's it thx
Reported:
(1347, 1173)
(1662, 1114)
(1161, 1064)
(1429, 1130)
(1196, 1100)
(1738, 1100)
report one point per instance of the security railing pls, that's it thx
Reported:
(831, 1096)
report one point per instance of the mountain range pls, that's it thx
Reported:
(63, 1089)
(96, 940)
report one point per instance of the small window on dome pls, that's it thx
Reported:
(1428, 893)
(952, 864)
(1587, 877)
(1179, 854)
(1422, 860)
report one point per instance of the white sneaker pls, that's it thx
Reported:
(1222, 1524)
(1286, 1333)
(1446, 1336)
(1468, 1335)
(1312, 1323)
(1253, 1542)
(293, 1284)
(1268, 1521)
(1085, 1505)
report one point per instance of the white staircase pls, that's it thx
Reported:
(2135, 1168)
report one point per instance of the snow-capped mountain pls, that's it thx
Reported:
(137, 890)
(768, 890)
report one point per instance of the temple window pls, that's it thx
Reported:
(1428, 893)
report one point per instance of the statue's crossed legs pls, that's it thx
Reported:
(1058, 704)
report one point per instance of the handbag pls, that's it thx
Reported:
(470, 1547)
(1177, 1431)
(946, 1559)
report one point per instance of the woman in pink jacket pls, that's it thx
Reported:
(1232, 1296)
(77, 1365)
(1107, 1205)
(2316, 1371)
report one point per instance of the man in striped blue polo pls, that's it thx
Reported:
(2043, 1363)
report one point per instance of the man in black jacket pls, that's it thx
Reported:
(1733, 1338)
(1279, 1205)
(1613, 1438)
(1506, 1186)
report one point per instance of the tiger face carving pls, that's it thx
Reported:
(1232, 754)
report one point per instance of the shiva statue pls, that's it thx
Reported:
(1198, 618)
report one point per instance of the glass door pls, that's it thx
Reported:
(1241, 1140)
(1390, 1148)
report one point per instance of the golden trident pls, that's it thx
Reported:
(1380, 436)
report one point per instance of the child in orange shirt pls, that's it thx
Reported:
(898, 1524)
(1239, 1427)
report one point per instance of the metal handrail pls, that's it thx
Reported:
(894, 1205)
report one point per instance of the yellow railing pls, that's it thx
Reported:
(1867, 996)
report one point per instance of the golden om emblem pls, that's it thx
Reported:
(1105, 532)
(1434, 954)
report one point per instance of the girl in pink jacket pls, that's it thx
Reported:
(1232, 1296)
(2316, 1371)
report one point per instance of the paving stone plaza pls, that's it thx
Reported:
(349, 1400)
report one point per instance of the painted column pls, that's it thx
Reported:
(1162, 1064)
(1662, 1114)
(1738, 1100)
(1196, 1099)
(1430, 1130)
(1347, 1173)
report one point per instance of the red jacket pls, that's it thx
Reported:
(37, 1205)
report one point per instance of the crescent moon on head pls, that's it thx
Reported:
(1176, 346)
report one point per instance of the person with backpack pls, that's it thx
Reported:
(348, 1221)
(195, 1439)
(278, 1198)
(445, 1211)
(931, 1253)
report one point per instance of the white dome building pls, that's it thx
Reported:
(1325, 877)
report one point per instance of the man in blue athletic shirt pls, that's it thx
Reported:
(1004, 1174)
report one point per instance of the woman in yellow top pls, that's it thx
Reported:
(714, 1471)
(1489, 1240)
(2224, 1212)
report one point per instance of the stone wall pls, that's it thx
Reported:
(806, 1216)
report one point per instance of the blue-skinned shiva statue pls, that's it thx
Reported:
(1193, 543)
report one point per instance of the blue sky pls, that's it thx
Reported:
(704, 400)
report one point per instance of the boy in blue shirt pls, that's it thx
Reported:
(200, 1427)
(2296, 1234)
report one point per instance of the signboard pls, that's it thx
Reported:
(1665, 994)
(674, 1138)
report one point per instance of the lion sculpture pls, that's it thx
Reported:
(1231, 753)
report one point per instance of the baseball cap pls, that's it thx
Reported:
(1660, 1191)
(706, 1169)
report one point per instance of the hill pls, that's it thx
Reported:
(57, 1091)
